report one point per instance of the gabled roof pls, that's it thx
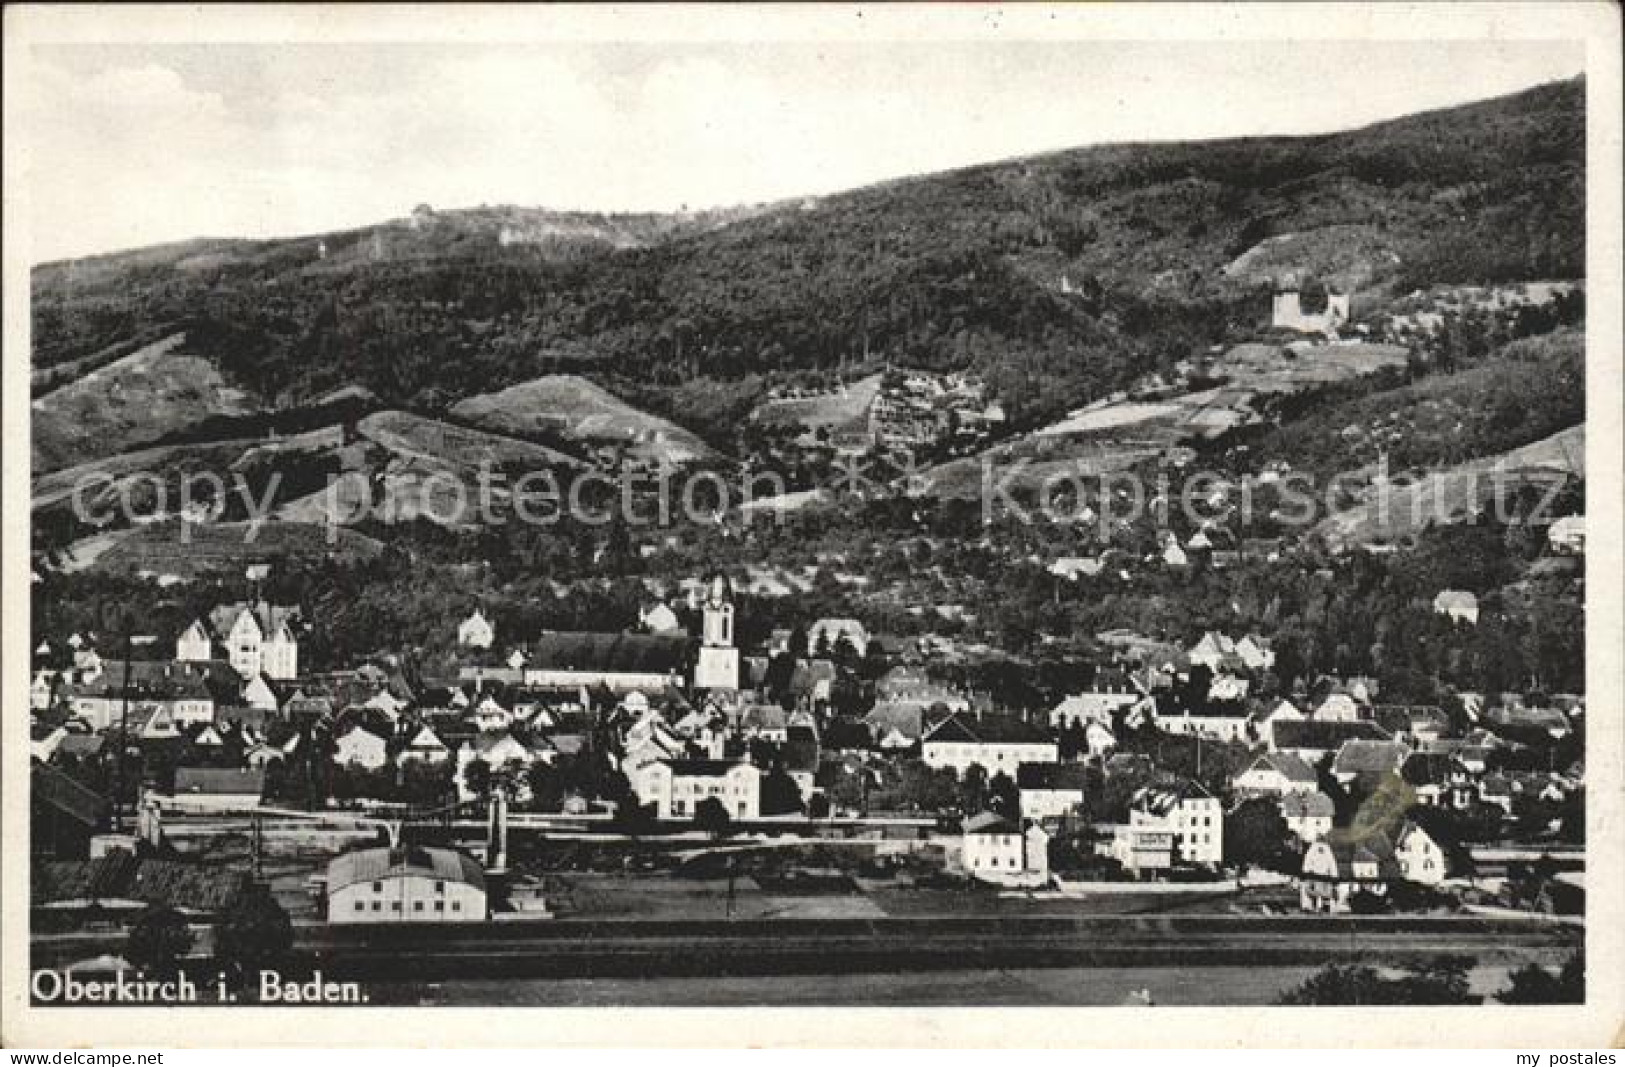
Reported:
(627, 653)
(990, 823)
(1369, 757)
(376, 864)
(219, 781)
(1324, 734)
(1159, 800)
(1068, 776)
(702, 768)
(1315, 805)
(1287, 765)
(987, 730)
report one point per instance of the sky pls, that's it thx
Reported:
(130, 145)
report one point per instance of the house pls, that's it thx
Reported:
(1567, 535)
(476, 631)
(42, 691)
(1362, 765)
(1439, 780)
(658, 618)
(1275, 774)
(1312, 739)
(1189, 812)
(1308, 815)
(1051, 791)
(1338, 707)
(1336, 868)
(425, 747)
(219, 788)
(1074, 567)
(1459, 605)
(1218, 721)
(1228, 687)
(677, 786)
(1412, 723)
(360, 747)
(994, 849)
(1143, 851)
(1256, 653)
(1421, 858)
(1109, 692)
(396, 885)
(43, 739)
(766, 722)
(258, 638)
(1216, 652)
(996, 742)
(826, 633)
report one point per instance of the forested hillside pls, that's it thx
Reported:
(1058, 277)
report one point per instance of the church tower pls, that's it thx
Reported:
(718, 665)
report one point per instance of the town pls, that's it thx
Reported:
(1138, 574)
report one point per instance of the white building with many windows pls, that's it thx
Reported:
(677, 786)
(997, 742)
(1190, 813)
(423, 885)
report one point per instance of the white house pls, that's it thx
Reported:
(1098, 703)
(1567, 535)
(1218, 722)
(1275, 774)
(425, 747)
(258, 639)
(1420, 857)
(1335, 869)
(1051, 790)
(1459, 605)
(658, 618)
(1187, 811)
(996, 742)
(677, 786)
(993, 849)
(361, 748)
(476, 631)
(384, 885)
(1256, 652)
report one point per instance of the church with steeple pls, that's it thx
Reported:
(718, 664)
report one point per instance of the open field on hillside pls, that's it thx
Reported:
(136, 399)
(1449, 495)
(159, 547)
(571, 408)
(436, 442)
(848, 405)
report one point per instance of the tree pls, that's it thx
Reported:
(1255, 834)
(477, 777)
(157, 941)
(1440, 980)
(780, 794)
(712, 817)
(254, 934)
(1534, 984)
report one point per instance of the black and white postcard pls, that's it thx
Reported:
(765, 508)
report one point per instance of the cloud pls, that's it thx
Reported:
(137, 147)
